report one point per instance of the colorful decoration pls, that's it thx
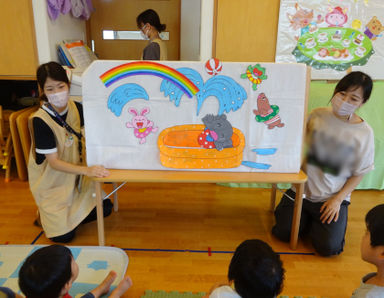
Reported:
(256, 74)
(150, 68)
(179, 149)
(213, 66)
(229, 93)
(303, 20)
(141, 125)
(337, 17)
(206, 139)
(334, 47)
(218, 131)
(356, 24)
(123, 94)
(267, 113)
(374, 28)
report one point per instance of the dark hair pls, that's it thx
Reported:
(375, 225)
(52, 70)
(354, 80)
(45, 272)
(256, 270)
(150, 16)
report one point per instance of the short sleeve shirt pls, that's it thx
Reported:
(336, 151)
(367, 290)
(151, 51)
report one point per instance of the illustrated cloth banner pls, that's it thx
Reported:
(209, 116)
(332, 36)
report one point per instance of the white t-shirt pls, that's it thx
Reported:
(337, 150)
(224, 292)
(368, 290)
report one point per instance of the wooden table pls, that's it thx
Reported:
(132, 176)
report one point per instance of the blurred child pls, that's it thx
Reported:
(50, 272)
(372, 251)
(255, 271)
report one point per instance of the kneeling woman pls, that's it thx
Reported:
(58, 175)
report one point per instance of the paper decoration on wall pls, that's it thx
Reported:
(173, 135)
(213, 66)
(142, 127)
(266, 113)
(179, 148)
(256, 74)
(219, 131)
(124, 94)
(332, 36)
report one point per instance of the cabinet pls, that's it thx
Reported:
(18, 51)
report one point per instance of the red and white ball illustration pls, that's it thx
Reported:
(213, 66)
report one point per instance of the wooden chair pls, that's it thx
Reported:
(5, 143)
(23, 130)
(21, 164)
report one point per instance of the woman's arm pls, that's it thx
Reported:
(330, 209)
(63, 166)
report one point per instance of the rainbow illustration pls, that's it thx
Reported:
(150, 68)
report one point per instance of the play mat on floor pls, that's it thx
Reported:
(94, 264)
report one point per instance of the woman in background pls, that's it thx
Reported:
(149, 24)
(58, 174)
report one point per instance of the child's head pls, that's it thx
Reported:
(150, 17)
(52, 78)
(353, 81)
(48, 272)
(372, 244)
(256, 270)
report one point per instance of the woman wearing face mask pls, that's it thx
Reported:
(340, 151)
(149, 24)
(58, 175)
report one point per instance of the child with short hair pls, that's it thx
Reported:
(50, 272)
(255, 271)
(372, 251)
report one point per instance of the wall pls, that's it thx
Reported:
(49, 33)
(206, 31)
(190, 30)
(247, 30)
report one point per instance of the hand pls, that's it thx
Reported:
(330, 210)
(97, 171)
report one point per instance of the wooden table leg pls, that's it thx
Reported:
(296, 215)
(273, 197)
(115, 199)
(100, 215)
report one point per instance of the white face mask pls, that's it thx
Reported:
(144, 35)
(341, 107)
(59, 99)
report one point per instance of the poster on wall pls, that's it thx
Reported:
(210, 116)
(332, 36)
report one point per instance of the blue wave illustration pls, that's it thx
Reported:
(174, 92)
(265, 151)
(255, 165)
(230, 94)
(123, 94)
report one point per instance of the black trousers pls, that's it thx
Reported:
(92, 216)
(327, 239)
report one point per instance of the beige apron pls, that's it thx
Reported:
(163, 49)
(62, 206)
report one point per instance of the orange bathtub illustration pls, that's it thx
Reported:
(179, 149)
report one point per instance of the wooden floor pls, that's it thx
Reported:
(183, 221)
